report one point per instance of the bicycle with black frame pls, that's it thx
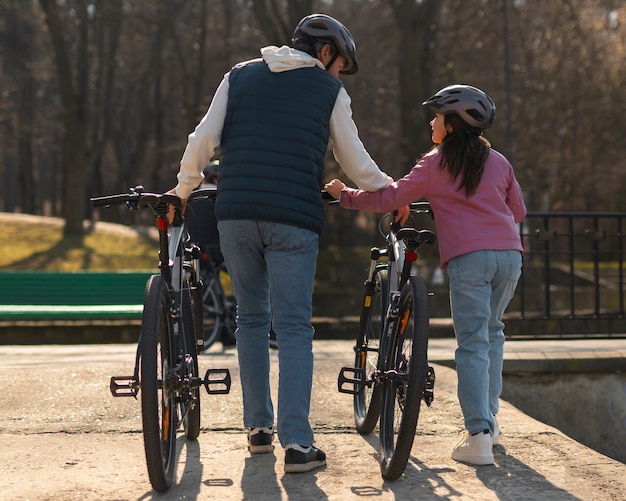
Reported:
(219, 305)
(391, 374)
(166, 361)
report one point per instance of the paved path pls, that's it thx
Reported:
(557, 355)
(63, 437)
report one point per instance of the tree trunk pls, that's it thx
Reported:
(416, 22)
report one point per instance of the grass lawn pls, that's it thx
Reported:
(32, 243)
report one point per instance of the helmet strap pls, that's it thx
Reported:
(332, 61)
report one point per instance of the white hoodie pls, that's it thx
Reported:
(348, 149)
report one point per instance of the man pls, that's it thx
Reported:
(273, 118)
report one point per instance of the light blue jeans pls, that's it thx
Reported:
(481, 285)
(272, 267)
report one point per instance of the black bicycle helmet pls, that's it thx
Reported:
(327, 29)
(470, 103)
(211, 171)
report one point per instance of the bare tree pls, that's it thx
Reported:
(276, 23)
(417, 23)
(19, 36)
(98, 95)
(71, 35)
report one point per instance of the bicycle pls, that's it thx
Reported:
(391, 375)
(219, 308)
(166, 361)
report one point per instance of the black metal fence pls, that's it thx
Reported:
(573, 279)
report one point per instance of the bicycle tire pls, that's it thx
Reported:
(273, 340)
(368, 399)
(212, 308)
(190, 403)
(158, 408)
(402, 395)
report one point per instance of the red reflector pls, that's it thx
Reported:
(161, 223)
(411, 256)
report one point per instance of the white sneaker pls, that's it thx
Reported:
(474, 449)
(495, 439)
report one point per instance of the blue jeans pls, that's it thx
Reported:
(481, 285)
(272, 267)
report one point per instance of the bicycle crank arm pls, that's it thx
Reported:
(354, 376)
(124, 386)
(219, 378)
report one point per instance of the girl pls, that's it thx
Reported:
(477, 203)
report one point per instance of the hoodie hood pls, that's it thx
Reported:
(287, 58)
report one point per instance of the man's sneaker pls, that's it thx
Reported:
(260, 440)
(495, 439)
(299, 459)
(474, 449)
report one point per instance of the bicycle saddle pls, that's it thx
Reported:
(417, 237)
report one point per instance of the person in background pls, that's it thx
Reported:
(477, 204)
(273, 118)
(200, 217)
(202, 227)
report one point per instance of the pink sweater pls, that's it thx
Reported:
(485, 221)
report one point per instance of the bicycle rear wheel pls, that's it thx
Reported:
(368, 399)
(190, 397)
(158, 407)
(212, 308)
(407, 363)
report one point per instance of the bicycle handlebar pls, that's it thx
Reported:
(110, 200)
(137, 196)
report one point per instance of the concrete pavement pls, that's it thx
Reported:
(62, 436)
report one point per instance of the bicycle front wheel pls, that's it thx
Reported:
(404, 384)
(158, 406)
(368, 398)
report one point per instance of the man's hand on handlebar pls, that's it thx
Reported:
(172, 210)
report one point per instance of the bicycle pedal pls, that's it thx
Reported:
(219, 378)
(354, 376)
(124, 386)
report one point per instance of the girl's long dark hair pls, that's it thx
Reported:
(464, 152)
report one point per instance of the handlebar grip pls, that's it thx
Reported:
(109, 200)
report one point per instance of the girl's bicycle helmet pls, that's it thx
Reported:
(327, 29)
(470, 103)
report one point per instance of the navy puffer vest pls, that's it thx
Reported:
(273, 145)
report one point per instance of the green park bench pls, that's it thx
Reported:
(79, 295)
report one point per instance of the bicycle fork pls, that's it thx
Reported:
(356, 377)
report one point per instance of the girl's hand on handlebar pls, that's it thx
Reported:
(334, 187)
(402, 214)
